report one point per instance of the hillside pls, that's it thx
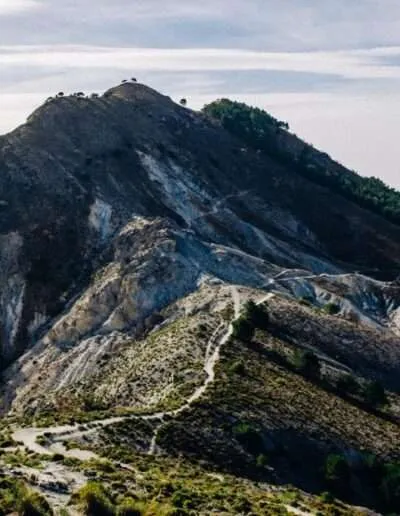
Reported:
(264, 133)
(186, 318)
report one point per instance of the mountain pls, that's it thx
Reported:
(265, 134)
(174, 292)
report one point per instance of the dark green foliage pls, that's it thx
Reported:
(33, 504)
(129, 507)
(16, 497)
(242, 506)
(327, 497)
(262, 461)
(386, 478)
(374, 394)
(238, 368)
(332, 308)
(347, 384)
(243, 329)
(58, 457)
(390, 485)
(336, 469)
(6, 441)
(95, 501)
(185, 499)
(256, 315)
(262, 132)
(249, 437)
(90, 403)
(306, 362)
(252, 124)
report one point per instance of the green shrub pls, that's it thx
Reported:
(90, 403)
(331, 308)
(307, 363)
(242, 329)
(336, 468)
(185, 499)
(16, 497)
(42, 440)
(256, 315)
(249, 437)
(262, 132)
(327, 497)
(390, 485)
(238, 367)
(95, 501)
(262, 461)
(242, 505)
(374, 394)
(347, 384)
(33, 504)
(130, 507)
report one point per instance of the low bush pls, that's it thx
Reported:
(331, 308)
(243, 330)
(249, 437)
(238, 367)
(347, 384)
(306, 362)
(374, 394)
(336, 469)
(33, 504)
(95, 501)
(130, 507)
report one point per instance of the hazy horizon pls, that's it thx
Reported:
(332, 72)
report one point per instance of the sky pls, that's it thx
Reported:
(331, 69)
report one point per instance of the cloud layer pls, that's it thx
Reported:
(332, 70)
(352, 64)
(8, 7)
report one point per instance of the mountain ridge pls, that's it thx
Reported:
(152, 265)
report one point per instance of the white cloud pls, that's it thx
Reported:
(340, 60)
(8, 7)
(15, 108)
(255, 24)
(360, 64)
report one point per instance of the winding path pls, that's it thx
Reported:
(28, 437)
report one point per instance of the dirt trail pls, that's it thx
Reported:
(28, 437)
(211, 360)
(56, 436)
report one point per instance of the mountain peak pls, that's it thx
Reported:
(136, 92)
(204, 287)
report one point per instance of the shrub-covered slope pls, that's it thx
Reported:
(264, 133)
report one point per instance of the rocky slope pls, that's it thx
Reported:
(133, 232)
(81, 169)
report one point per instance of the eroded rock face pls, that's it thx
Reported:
(141, 326)
(85, 180)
